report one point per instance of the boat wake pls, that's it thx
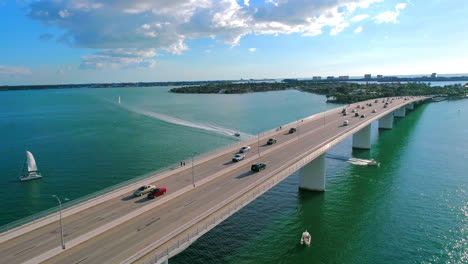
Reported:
(355, 161)
(182, 122)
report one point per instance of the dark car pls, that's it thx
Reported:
(258, 167)
(156, 192)
(271, 141)
(362, 116)
(356, 114)
(292, 130)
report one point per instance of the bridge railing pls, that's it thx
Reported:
(197, 159)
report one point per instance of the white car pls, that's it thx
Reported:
(238, 157)
(244, 149)
(345, 123)
(143, 190)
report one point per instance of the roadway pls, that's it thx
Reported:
(128, 238)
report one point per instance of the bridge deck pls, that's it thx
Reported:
(130, 237)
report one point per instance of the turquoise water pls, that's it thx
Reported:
(412, 209)
(83, 141)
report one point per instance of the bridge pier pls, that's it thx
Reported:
(400, 112)
(312, 175)
(410, 106)
(362, 139)
(386, 122)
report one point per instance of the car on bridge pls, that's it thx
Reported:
(272, 141)
(244, 149)
(374, 111)
(345, 123)
(156, 192)
(143, 190)
(363, 115)
(356, 114)
(292, 130)
(259, 166)
(238, 157)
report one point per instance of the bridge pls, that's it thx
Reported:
(116, 227)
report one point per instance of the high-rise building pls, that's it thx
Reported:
(434, 75)
(317, 78)
(368, 76)
(380, 76)
(330, 77)
(344, 77)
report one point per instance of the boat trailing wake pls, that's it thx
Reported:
(354, 161)
(182, 122)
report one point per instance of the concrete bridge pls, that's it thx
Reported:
(118, 228)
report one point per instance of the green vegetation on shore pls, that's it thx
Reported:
(336, 92)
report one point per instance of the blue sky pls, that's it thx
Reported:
(83, 41)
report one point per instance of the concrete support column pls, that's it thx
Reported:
(312, 175)
(410, 106)
(400, 112)
(362, 139)
(386, 122)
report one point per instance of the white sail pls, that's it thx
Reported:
(31, 162)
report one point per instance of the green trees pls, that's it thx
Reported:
(338, 92)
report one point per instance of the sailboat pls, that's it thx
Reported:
(119, 99)
(30, 165)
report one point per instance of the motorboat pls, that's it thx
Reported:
(30, 171)
(119, 99)
(306, 238)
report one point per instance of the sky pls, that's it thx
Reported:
(95, 41)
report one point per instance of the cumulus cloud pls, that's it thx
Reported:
(14, 70)
(359, 18)
(390, 16)
(119, 58)
(358, 30)
(252, 49)
(120, 26)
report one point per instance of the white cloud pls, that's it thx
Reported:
(400, 6)
(252, 49)
(64, 13)
(119, 58)
(166, 25)
(359, 18)
(14, 70)
(358, 30)
(390, 16)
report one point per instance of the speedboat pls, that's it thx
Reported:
(306, 238)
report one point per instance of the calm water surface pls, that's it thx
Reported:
(412, 209)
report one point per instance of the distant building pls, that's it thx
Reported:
(434, 75)
(330, 77)
(380, 76)
(367, 76)
(344, 77)
(317, 78)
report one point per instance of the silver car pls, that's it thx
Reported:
(238, 157)
(143, 190)
(244, 149)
